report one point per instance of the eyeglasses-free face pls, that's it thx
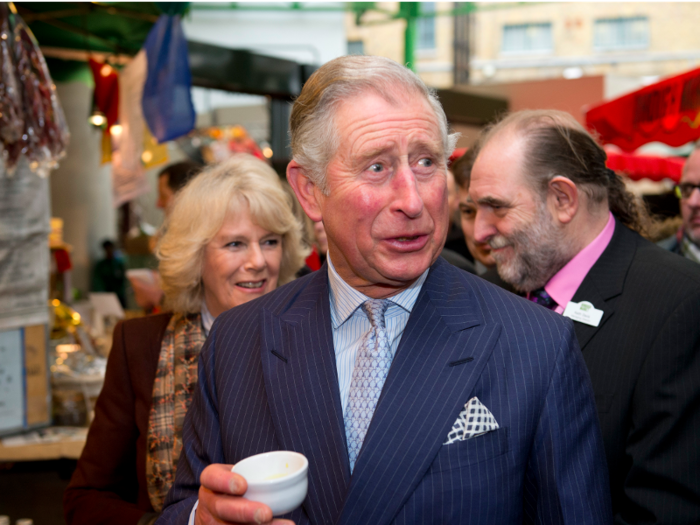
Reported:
(685, 190)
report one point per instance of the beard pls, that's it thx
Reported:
(539, 251)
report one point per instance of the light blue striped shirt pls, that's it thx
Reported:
(350, 322)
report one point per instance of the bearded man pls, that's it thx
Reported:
(561, 227)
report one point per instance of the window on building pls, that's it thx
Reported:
(527, 38)
(621, 33)
(426, 27)
(356, 47)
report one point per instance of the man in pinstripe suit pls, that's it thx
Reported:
(561, 225)
(486, 414)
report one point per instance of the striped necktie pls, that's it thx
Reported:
(371, 368)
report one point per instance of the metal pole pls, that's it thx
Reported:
(409, 43)
(410, 11)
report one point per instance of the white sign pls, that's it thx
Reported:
(11, 380)
(24, 248)
(583, 312)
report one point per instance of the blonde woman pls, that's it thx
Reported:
(231, 237)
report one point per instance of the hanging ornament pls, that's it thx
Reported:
(25, 77)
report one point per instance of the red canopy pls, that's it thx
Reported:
(668, 112)
(638, 167)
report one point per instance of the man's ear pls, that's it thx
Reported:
(305, 190)
(563, 197)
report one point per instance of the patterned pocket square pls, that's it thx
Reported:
(474, 420)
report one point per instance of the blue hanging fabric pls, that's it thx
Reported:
(167, 103)
(173, 8)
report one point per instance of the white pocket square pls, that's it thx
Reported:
(474, 420)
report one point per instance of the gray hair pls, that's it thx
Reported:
(314, 136)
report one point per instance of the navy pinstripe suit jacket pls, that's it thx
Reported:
(267, 381)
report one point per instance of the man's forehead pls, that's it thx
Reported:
(371, 123)
(395, 105)
(499, 164)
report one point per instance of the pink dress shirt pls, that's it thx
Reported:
(566, 281)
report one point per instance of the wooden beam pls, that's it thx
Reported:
(112, 10)
(86, 9)
(30, 17)
(83, 56)
(72, 29)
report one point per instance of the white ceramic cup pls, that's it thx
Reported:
(278, 479)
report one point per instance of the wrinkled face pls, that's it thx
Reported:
(690, 207)
(481, 251)
(165, 195)
(386, 212)
(241, 262)
(526, 243)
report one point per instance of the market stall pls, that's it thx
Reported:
(639, 166)
(134, 55)
(33, 138)
(667, 112)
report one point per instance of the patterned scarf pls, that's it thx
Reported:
(176, 378)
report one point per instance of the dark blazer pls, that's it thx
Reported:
(273, 385)
(109, 483)
(644, 361)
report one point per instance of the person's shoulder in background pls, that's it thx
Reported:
(455, 259)
(491, 275)
(670, 243)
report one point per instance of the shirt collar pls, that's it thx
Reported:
(566, 281)
(207, 318)
(345, 299)
(692, 248)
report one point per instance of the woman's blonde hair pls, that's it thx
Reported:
(198, 214)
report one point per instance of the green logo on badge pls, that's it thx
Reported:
(586, 307)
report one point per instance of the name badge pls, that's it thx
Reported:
(583, 312)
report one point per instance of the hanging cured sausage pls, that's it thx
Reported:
(31, 120)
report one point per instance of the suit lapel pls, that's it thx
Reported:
(302, 386)
(421, 398)
(605, 280)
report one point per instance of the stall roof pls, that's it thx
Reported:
(652, 167)
(668, 112)
(120, 28)
(112, 27)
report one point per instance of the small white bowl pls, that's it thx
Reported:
(278, 479)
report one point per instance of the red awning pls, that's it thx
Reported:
(668, 112)
(651, 167)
